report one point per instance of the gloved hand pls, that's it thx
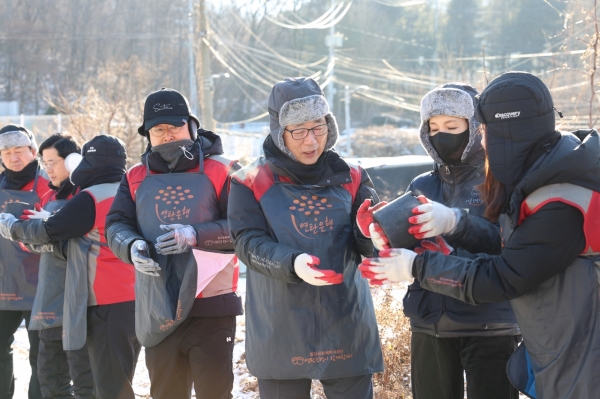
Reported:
(441, 246)
(380, 240)
(393, 265)
(432, 219)
(42, 248)
(305, 268)
(37, 213)
(140, 256)
(6, 222)
(180, 238)
(364, 216)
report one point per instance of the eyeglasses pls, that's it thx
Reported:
(299, 134)
(160, 131)
(50, 164)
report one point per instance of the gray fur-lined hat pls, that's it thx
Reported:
(294, 101)
(16, 136)
(452, 99)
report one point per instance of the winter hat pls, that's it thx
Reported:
(451, 99)
(104, 157)
(518, 113)
(167, 106)
(16, 136)
(294, 101)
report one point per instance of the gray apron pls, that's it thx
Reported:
(47, 308)
(82, 256)
(18, 268)
(163, 302)
(304, 331)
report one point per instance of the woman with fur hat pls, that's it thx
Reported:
(450, 338)
(309, 314)
(543, 187)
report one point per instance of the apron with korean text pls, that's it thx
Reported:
(301, 330)
(163, 302)
(18, 268)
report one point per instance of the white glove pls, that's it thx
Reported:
(432, 219)
(180, 238)
(305, 268)
(393, 265)
(140, 256)
(6, 222)
(38, 213)
(380, 240)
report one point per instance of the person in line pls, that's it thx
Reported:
(99, 289)
(169, 221)
(56, 367)
(449, 338)
(543, 187)
(309, 314)
(21, 181)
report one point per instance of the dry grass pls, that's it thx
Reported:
(394, 331)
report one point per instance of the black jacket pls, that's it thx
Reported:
(439, 315)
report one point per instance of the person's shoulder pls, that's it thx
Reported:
(257, 170)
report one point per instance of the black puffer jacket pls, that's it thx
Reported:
(439, 315)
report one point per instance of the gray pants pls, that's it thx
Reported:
(360, 387)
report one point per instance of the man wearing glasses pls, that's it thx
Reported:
(169, 220)
(22, 181)
(292, 214)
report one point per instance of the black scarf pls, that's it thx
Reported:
(299, 172)
(17, 180)
(62, 192)
(97, 170)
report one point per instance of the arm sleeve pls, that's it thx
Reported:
(475, 234)
(365, 191)
(253, 242)
(121, 223)
(545, 244)
(215, 235)
(75, 219)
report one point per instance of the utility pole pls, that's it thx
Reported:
(206, 98)
(331, 44)
(192, 66)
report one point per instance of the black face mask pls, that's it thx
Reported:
(450, 147)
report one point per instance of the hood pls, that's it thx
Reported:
(518, 112)
(294, 101)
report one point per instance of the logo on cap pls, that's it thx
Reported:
(508, 115)
(91, 149)
(161, 107)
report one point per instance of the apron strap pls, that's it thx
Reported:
(35, 182)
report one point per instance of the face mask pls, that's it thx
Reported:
(450, 147)
(173, 151)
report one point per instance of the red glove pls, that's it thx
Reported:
(441, 246)
(305, 268)
(380, 240)
(364, 216)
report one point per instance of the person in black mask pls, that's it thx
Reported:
(543, 188)
(169, 220)
(448, 336)
(99, 288)
(22, 181)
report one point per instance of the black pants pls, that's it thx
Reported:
(199, 351)
(360, 387)
(437, 366)
(113, 349)
(10, 320)
(57, 368)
